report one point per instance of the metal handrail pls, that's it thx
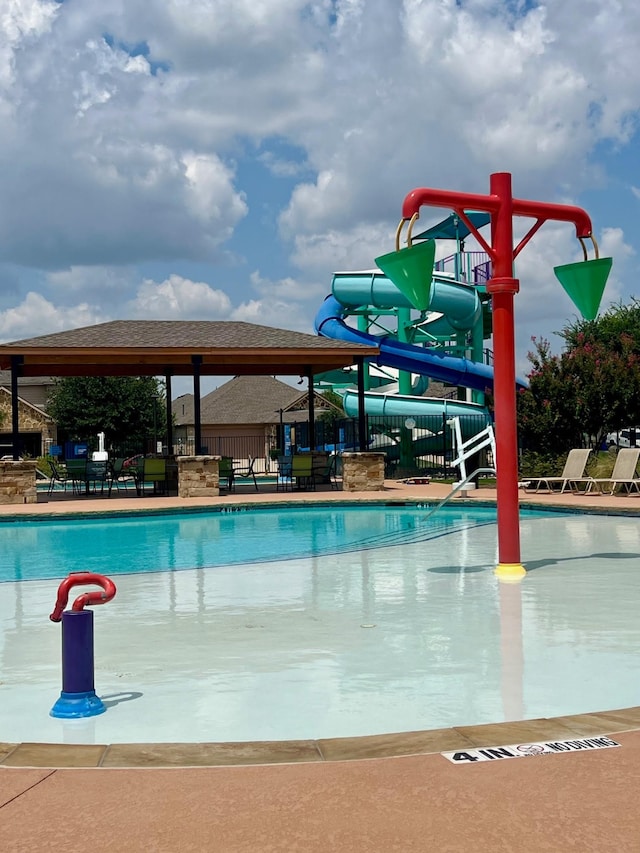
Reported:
(459, 487)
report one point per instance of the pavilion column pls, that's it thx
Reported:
(169, 412)
(16, 369)
(362, 417)
(312, 411)
(196, 361)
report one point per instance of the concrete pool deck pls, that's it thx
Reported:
(388, 792)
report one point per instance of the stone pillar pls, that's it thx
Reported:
(18, 482)
(198, 476)
(363, 472)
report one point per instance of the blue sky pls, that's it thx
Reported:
(203, 159)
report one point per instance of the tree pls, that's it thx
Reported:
(591, 389)
(126, 409)
(620, 322)
(335, 410)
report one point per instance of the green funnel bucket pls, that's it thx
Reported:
(411, 270)
(584, 283)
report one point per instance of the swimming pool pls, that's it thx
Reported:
(385, 637)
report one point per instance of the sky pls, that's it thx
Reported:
(220, 159)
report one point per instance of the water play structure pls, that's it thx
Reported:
(411, 270)
(437, 332)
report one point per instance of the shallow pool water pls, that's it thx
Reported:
(117, 545)
(386, 638)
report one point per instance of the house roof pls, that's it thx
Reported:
(155, 347)
(242, 400)
(40, 413)
(5, 379)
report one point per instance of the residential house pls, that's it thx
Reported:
(37, 429)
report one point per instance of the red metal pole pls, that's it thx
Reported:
(503, 286)
(502, 207)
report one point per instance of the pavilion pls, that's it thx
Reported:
(179, 348)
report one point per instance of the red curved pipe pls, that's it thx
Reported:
(94, 597)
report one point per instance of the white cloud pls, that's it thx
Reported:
(178, 298)
(35, 316)
(273, 312)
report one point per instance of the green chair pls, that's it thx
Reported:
(225, 473)
(97, 472)
(302, 471)
(154, 471)
(76, 472)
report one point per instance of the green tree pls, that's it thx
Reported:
(618, 328)
(591, 389)
(331, 414)
(125, 408)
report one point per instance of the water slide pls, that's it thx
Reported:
(453, 308)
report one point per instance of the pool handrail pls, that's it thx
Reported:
(460, 487)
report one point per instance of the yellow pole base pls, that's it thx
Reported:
(510, 572)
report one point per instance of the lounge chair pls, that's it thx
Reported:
(572, 475)
(623, 474)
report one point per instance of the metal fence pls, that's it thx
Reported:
(414, 445)
(420, 444)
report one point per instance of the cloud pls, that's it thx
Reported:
(178, 298)
(36, 316)
(273, 312)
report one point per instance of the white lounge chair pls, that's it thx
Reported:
(572, 475)
(623, 474)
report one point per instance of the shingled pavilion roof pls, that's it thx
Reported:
(157, 347)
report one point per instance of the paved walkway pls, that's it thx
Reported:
(384, 793)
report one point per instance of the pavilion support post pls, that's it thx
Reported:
(167, 385)
(312, 411)
(16, 369)
(196, 361)
(362, 417)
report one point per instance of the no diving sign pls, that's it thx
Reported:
(523, 750)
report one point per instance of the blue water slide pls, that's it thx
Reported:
(393, 353)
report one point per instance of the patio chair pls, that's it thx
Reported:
(283, 479)
(327, 473)
(225, 473)
(154, 471)
(76, 473)
(572, 475)
(623, 474)
(245, 472)
(97, 472)
(302, 471)
(60, 475)
(121, 475)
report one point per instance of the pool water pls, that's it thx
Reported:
(150, 543)
(410, 631)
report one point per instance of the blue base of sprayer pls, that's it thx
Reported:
(74, 706)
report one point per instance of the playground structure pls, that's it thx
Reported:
(410, 269)
(443, 341)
